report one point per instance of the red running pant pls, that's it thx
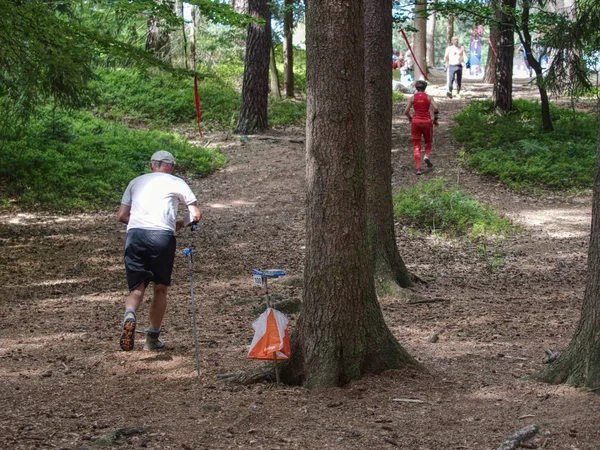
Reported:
(420, 130)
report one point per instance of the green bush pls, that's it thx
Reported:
(434, 207)
(514, 148)
(70, 160)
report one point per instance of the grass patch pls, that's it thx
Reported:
(287, 112)
(514, 149)
(433, 206)
(73, 161)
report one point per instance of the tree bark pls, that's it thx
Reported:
(386, 262)
(420, 38)
(431, 40)
(450, 29)
(255, 88)
(157, 39)
(490, 68)
(274, 76)
(288, 49)
(535, 65)
(341, 334)
(504, 62)
(240, 6)
(579, 364)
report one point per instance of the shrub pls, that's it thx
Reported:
(434, 207)
(514, 148)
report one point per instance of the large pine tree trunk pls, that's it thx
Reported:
(255, 87)
(579, 364)
(506, 50)
(387, 263)
(341, 334)
(420, 38)
(288, 49)
(431, 40)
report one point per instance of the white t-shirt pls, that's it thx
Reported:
(154, 198)
(454, 55)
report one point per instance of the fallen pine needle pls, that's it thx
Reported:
(407, 400)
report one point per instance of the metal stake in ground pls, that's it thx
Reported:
(190, 254)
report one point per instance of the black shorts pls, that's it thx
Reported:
(149, 256)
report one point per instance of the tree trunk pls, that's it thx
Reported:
(157, 39)
(579, 364)
(240, 6)
(288, 49)
(193, 38)
(386, 262)
(535, 65)
(490, 68)
(179, 12)
(341, 334)
(274, 76)
(255, 86)
(450, 29)
(420, 38)
(431, 40)
(506, 50)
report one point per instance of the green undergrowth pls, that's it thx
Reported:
(435, 207)
(514, 149)
(286, 112)
(73, 161)
(162, 99)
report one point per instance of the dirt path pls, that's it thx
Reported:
(66, 384)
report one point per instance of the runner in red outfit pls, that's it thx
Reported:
(421, 124)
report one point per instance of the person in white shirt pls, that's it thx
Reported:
(149, 209)
(453, 61)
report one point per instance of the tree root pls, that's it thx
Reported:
(260, 375)
(519, 437)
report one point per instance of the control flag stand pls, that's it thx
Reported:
(271, 336)
(189, 252)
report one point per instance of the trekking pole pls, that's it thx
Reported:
(190, 254)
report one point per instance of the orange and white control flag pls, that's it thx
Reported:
(271, 336)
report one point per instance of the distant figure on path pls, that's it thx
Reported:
(149, 209)
(421, 125)
(453, 61)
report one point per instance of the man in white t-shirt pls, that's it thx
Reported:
(149, 208)
(453, 61)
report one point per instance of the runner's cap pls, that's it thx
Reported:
(163, 156)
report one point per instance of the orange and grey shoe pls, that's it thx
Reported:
(427, 161)
(128, 334)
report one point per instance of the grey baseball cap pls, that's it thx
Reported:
(163, 156)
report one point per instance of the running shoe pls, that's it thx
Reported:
(153, 343)
(428, 162)
(128, 334)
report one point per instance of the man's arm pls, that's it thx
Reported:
(124, 213)
(194, 215)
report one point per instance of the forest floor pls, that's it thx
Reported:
(66, 383)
